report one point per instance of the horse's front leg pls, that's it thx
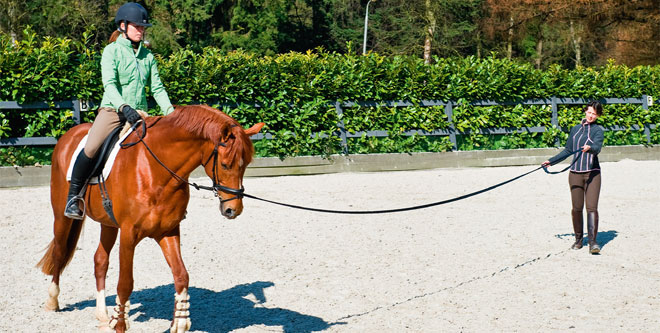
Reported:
(171, 247)
(101, 260)
(127, 242)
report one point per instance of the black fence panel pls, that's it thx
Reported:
(79, 106)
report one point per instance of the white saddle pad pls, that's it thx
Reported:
(108, 163)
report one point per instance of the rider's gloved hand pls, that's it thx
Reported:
(131, 115)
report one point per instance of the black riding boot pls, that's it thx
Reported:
(577, 228)
(592, 228)
(81, 169)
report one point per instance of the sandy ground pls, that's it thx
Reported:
(499, 261)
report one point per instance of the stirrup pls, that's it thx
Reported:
(70, 203)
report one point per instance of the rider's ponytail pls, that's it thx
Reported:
(114, 36)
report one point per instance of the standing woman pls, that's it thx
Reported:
(127, 67)
(586, 139)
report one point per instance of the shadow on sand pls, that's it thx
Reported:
(213, 311)
(603, 237)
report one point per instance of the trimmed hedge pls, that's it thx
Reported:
(295, 90)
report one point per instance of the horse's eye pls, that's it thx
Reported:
(224, 166)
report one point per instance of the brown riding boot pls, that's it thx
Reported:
(577, 228)
(592, 228)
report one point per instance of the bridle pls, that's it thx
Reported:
(238, 193)
(216, 188)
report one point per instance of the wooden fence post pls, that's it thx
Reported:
(449, 111)
(555, 118)
(647, 128)
(342, 128)
(76, 111)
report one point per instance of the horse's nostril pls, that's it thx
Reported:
(229, 212)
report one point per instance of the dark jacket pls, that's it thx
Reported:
(580, 135)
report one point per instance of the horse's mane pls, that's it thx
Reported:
(206, 122)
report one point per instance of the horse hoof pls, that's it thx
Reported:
(53, 292)
(105, 328)
(181, 325)
(103, 318)
(52, 305)
(50, 308)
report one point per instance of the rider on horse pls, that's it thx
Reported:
(127, 67)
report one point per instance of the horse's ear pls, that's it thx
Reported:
(254, 129)
(225, 132)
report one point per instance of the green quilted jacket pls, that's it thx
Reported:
(125, 74)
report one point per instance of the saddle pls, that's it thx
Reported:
(104, 152)
(102, 164)
(110, 142)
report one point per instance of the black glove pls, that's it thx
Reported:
(131, 115)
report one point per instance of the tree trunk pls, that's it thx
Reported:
(12, 21)
(479, 44)
(429, 32)
(427, 47)
(576, 45)
(539, 53)
(509, 46)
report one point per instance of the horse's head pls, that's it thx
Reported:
(227, 167)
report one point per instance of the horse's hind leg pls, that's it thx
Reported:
(54, 261)
(171, 247)
(101, 260)
(58, 255)
(52, 304)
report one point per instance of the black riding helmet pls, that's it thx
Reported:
(134, 13)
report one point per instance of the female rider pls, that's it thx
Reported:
(127, 67)
(585, 140)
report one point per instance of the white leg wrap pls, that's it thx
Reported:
(53, 292)
(120, 314)
(101, 311)
(181, 321)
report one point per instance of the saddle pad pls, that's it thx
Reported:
(108, 164)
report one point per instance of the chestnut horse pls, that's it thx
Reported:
(149, 200)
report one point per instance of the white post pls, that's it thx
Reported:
(366, 21)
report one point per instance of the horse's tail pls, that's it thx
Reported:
(50, 260)
(66, 231)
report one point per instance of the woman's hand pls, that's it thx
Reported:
(586, 148)
(545, 164)
(132, 116)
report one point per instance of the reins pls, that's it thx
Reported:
(240, 193)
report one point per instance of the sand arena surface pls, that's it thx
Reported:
(499, 261)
